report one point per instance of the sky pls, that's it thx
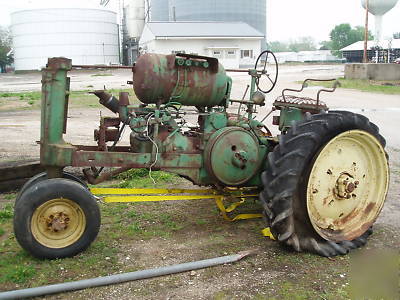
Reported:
(286, 19)
(289, 19)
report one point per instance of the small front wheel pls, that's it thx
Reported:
(56, 218)
(43, 176)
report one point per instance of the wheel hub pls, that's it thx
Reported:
(58, 223)
(347, 186)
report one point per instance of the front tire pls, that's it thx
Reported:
(43, 176)
(319, 185)
(56, 218)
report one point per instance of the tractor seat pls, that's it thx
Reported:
(305, 103)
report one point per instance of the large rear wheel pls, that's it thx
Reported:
(56, 218)
(326, 183)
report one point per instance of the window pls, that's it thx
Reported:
(246, 53)
(230, 53)
(217, 53)
(178, 51)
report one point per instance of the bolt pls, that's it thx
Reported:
(350, 187)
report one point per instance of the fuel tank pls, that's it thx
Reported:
(190, 80)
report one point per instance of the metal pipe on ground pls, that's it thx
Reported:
(120, 278)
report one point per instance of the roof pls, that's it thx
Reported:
(359, 46)
(203, 29)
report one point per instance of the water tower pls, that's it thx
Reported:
(378, 8)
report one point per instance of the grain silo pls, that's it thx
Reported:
(159, 10)
(252, 12)
(86, 35)
(134, 20)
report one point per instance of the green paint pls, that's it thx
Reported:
(231, 152)
(215, 121)
(287, 116)
(54, 151)
(233, 155)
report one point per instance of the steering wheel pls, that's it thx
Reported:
(264, 60)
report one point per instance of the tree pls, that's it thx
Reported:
(396, 35)
(5, 47)
(277, 46)
(301, 44)
(306, 43)
(326, 45)
(344, 35)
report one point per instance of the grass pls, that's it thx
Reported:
(157, 234)
(10, 196)
(32, 100)
(136, 178)
(371, 86)
(121, 222)
(6, 213)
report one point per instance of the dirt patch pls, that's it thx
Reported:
(13, 104)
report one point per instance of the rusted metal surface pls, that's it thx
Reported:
(189, 80)
(284, 99)
(108, 131)
(237, 70)
(123, 98)
(300, 102)
(106, 176)
(134, 160)
(107, 100)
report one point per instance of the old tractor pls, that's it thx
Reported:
(321, 182)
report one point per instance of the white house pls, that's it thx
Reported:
(235, 44)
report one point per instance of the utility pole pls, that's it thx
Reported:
(365, 59)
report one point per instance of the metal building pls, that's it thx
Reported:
(252, 12)
(159, 10)
(87, 36)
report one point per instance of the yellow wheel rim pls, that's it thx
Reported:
(58, 223)
(347, 186)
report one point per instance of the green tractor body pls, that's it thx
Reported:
(222, 150)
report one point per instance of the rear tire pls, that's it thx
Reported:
(56, 218)
(288, 178)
